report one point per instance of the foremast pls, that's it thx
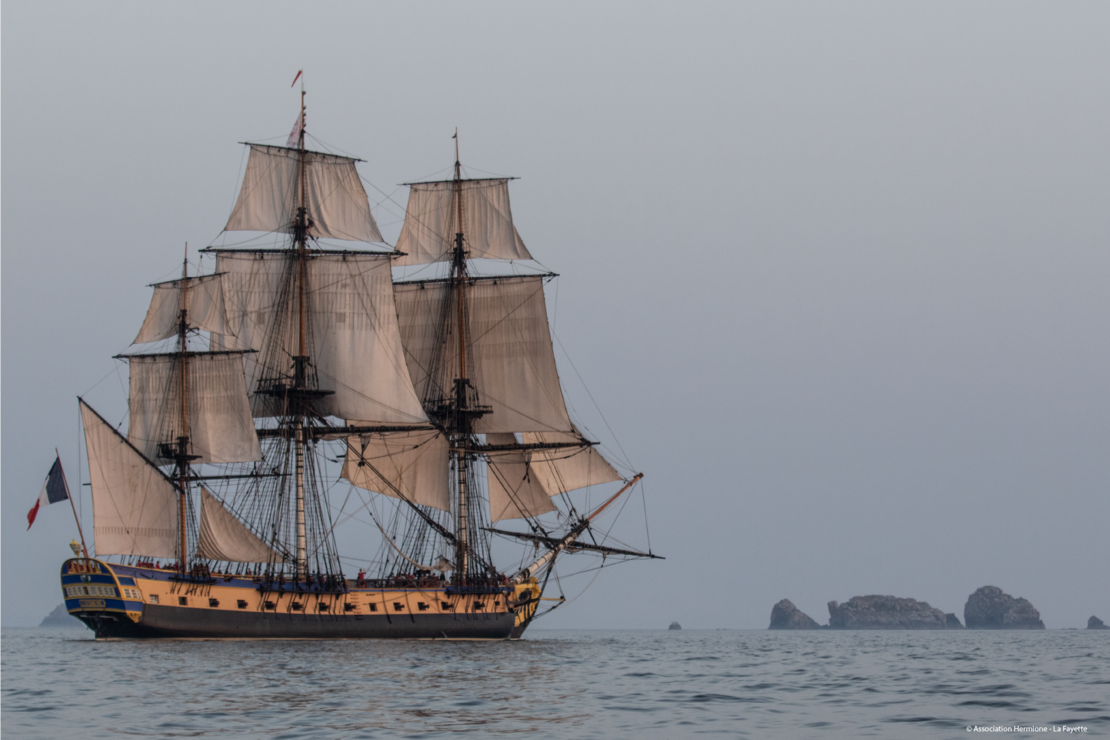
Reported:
(480, 352)
(466, 410)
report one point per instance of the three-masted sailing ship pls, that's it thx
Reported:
(439, 394)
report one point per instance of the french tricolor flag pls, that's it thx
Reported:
(53, 490)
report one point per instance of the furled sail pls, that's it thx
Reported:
(514, 493)
(221, 429)
(223, 537)
(570, 468)
(432, 220)
(335, 200)
(510, 360)
(205, 299)
(134, 504)
(354, 344)
(414, 463)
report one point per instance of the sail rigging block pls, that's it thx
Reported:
(413, 463)
(568, 469)
(220, 426)
(354, 346)
(432, 220)
(335, 200)
(134, 504)
(510, 359)
(223, 537)
(205, 303)
(513, 492)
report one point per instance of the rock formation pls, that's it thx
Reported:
(60, 618)
(953, 622)
(1094, 623)
(885, 613)
(786, 616)
(991, 609)
(675, 626)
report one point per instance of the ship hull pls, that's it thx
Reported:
(177, 622)
(124, 602)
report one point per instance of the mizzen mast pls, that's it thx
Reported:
(182, 457)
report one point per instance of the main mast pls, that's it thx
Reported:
(300, 232)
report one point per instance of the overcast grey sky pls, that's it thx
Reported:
(836, 273)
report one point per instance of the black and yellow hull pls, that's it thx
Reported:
(127, 602)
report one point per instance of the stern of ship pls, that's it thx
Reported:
(109, 604)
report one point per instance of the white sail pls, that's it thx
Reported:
(135, 507)
(569, 468)
(223, 537)
(432, 220)
(205, 298)
(220, 426)
(414, 463)
(335, 200)
(354, 344)
(510, 360)
(513, 492)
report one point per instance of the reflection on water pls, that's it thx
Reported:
(557, 684)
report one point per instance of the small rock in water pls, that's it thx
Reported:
(953, 622)
(1094, 623)
(885, 613)
(786, 616)
(61, 618)
(991, 609)
(675, 626)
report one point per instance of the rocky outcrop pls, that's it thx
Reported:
(991, 609)
(786, 616)
(953, 622)
(1094, 623)
(675, 626)
(60, 618)
(885, 613)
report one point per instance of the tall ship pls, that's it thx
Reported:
(298, 388)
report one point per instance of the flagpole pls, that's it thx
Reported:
(71, 504)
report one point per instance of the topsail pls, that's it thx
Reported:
(205, 304)
(334, 198)
(432, 220)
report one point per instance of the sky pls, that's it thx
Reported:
(834, 273)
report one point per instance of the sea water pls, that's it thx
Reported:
(563, 684)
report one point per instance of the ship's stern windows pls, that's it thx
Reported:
(242, 604)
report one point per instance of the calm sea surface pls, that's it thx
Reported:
(562, 684)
